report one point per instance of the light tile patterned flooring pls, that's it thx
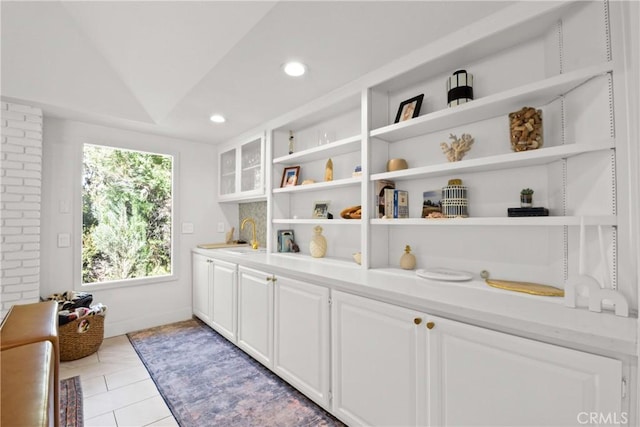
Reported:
(117, 389)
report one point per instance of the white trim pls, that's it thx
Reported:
(77, 217)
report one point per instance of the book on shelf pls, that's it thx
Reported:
(400, 204)
(379, 200)
(388, 202)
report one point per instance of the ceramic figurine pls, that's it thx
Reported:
(328, 171)
(318, 245)
(408, 260)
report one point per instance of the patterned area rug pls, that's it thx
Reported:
(71, 403)
(208, 381)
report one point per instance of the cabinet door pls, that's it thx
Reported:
(482, 377)
(374, 353)
(251, 160)
(224, 299)
(227, 167)
(301, 350)
(255, 314)
(201, 285)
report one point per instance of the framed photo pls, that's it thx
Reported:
(290, 176)
(321, 209)
(285, 241)
(409, 109)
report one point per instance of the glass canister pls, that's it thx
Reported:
(454, 199)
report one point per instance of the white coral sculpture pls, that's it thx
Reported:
(458, 147)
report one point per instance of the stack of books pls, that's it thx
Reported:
(396, 203)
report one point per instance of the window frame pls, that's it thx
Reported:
(78, 222)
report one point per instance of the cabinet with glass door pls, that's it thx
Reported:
(241, 169)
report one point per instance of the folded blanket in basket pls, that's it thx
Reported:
(70, 300)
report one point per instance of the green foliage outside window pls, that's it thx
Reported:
(126, 214)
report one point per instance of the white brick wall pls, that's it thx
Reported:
(20, 197)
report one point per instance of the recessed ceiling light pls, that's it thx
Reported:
(217, 118)
(295, 69)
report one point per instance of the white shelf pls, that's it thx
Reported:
(346, 182)
(502, 161)
(335, 221)
(605, 220)
(534, 94)
(241, 197)
(228, 174)
(336, 148)
(250, 168)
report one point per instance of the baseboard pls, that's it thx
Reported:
(112, 329)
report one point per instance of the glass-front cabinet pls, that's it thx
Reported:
(241, 169)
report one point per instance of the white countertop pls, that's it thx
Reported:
(536, 317)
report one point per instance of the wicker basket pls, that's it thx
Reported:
(74, 344)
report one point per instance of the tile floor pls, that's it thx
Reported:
(117, 389)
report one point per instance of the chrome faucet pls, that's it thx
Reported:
(254, 243)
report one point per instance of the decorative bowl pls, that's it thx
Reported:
(396, 165)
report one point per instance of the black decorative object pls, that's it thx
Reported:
(459, 88)
(527, 212)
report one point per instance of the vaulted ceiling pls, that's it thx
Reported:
(165, 66)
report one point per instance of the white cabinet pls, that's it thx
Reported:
(478, 377)
(301, 337)
(374, 365)
(255, 314)
(215, 294)
(241, 169)
(224, 299)
(201, 287)
(394, 366)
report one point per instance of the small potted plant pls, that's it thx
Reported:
(526, 198)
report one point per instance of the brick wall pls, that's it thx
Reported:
(20, 199)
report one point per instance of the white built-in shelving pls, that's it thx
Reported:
(536, 93)
(524, 57)
(316, 221)
(319, 186)
(531, 221)
(336, 148)
(501, 161)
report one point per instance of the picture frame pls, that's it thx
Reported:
(431, 202)
(409, 109)
(321, 209)
(290, 176)
(286, 240)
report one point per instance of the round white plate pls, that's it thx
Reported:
(444, 274)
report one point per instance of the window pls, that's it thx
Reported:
(127, 214)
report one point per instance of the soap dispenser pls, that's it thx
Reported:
(408, 260)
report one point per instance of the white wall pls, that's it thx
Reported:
(140, 306)
(20, 190)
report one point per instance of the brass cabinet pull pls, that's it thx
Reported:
(417, 320)
(271, 279)
(430, 325)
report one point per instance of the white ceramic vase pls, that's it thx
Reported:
(318, 245)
